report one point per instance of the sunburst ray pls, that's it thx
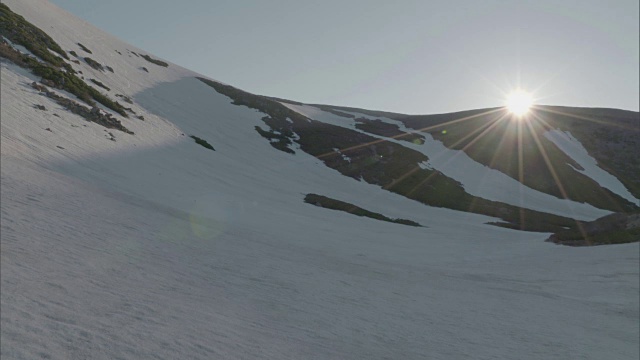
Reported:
(554, 174)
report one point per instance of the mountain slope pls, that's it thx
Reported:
(148, 245)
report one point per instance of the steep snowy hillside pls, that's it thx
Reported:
(150, 212)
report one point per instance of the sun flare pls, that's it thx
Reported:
(519, 102)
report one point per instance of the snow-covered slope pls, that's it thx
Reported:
(576, 151)
(151, 246)
(478, 180)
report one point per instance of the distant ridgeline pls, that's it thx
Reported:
(611, 136)
(396, 168)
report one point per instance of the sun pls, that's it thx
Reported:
(519, 102)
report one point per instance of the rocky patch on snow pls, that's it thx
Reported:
(94, 114)
(611, 229)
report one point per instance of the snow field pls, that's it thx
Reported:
(152, 247)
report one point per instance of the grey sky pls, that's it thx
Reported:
(409, 56)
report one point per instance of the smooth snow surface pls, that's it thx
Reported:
(574, 149)
(152, 247)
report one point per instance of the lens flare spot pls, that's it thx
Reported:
(205, 228)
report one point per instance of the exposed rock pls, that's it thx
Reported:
(95, 114)
(202, 142)
(155, 61)
(85, 48)
(40, 107)
(47, 82)
(39, 87)
(99, 83)
(611, 229)
(125, 98)
(94, 64)
(329, 203)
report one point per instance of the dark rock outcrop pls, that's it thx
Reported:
(94, 114)
(94, 64)
(616, 228)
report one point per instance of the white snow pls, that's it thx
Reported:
(574, 149)
(154, 247)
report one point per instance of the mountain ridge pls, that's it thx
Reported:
(281, 135)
